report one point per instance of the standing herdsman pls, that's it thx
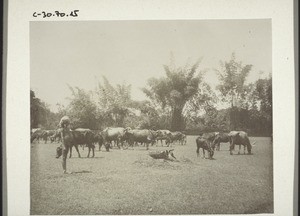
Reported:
(66, 137)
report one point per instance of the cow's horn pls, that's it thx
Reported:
(253, 144)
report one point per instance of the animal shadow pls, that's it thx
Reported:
(86, 158)
(82, 171)
(242, 154)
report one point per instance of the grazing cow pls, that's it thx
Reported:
(183, 139)
(143, 136)
(87, 138)
(36, 134)
(77, 137)
(114, 134)
(163, 135)
(47, 134)
(83, 144)
(240, 138)
(98, 138)
(220, 138)
(175, 137)
(209, 136)
(205, 145)
(70, 139)
(55, 137)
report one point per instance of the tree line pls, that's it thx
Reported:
(181, 100)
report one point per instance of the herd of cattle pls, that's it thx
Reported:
(127, 137)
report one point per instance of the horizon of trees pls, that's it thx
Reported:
(179, 101)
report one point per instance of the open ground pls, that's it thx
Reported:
(131, 182)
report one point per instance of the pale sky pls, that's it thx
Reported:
(79, 53)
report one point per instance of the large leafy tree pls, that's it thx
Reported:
(82, 109)
(173, 91)
(232, 77)
(40, 114)
(113, 102)
(261, 107)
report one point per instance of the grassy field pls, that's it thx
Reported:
(131, 182)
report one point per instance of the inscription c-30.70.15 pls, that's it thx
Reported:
(44, 14)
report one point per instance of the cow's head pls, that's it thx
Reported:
(216, 139)
(128, 129)
(211, 153)
(58, 151)
(249, 148)
(154, 133)
(171, 154)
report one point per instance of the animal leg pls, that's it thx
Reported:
(64, 158)
(203, 153)
(239, 148)
(89, 151)
(231, 147)
(76, 147)
(70, 152)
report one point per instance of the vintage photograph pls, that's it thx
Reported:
(142, 117)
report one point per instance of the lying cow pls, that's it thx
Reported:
(166, 155)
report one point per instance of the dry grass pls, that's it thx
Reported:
(131, 182)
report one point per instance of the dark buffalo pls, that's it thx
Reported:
(47, 134)
(162, 135)
(98, 139)
(205, 145)
(209, 136)
(221, 138)
(87, 138)
(68, 141)
(143, 136)
(55, 137)
(78, 137)
(36, 134)
(175, 137)
(240, 138)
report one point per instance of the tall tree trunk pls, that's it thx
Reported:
(177, 123)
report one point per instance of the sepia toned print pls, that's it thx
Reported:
(166, 117)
